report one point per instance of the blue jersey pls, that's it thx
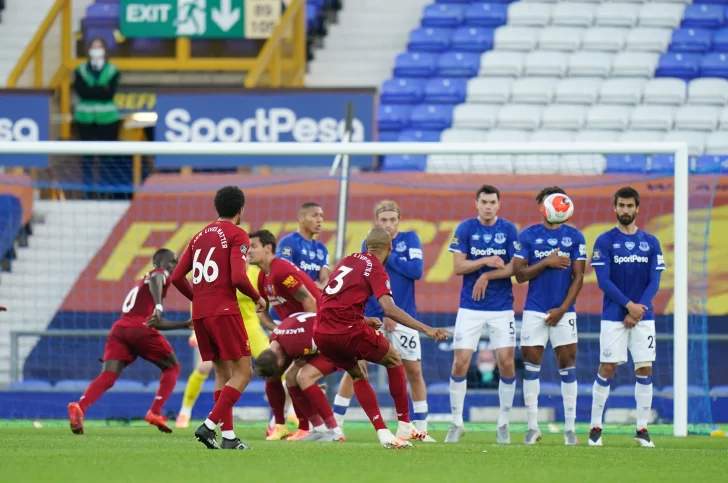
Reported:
(548, 290)
(476, 241)
(404, 266)
(628, 267)
(309, 256)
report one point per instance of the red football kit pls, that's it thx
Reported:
(281, 284)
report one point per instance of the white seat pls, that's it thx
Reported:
(475, 116)
(501, 64)
(573, 14)
(590, 64)
(507, 136)
(547, 64)
(564, 117)
(635, 64)
(664, 91)
(522, 39)
(659, 14)
(723, 119)
(622, 91)
(708, 91)
(577, 91)
(532, 14)
(594, 136)
(533, 90)
(489, 90)
(697, 118)
(554, 136)
(565, 39)
(717, 143)
(582, 164)
(642, 137)
(603, 117)
(695, 139)
(524, 117)
(439, 163)
(453, 135)
(617, 14)
(648, 39)
(538, 1)
(536, 164)
(652, 118)
(604, 39)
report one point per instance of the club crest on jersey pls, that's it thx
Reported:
(517, 245)
(553, 242)
(566, 241)
(320, 254)
(287, 251)
(487, 237)
(644, 246)
(582, 250)
(629, 245)
(455, 241)
(401, 246)
(244, 249)
(270, 289)
(597, 255)
(476, 237)
(500, 238)
(389, 286)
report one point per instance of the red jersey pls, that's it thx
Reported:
(356, 278)
(216, 257)
(280, 285)
(295, 335)
(139, 304)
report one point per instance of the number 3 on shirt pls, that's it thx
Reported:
(209, 270)
(339, 279)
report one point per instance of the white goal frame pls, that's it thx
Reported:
(681, 196)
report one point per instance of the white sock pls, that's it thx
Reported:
(506, 391)
(643, 396)
(531, 390)
(600, 394)
(185, 411)
(568, 394)
(228, 434)
(210, 425)
(419, 418)
(341, 404)
(458, 388)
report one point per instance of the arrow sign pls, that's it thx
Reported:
(225, 17)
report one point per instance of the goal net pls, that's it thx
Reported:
(83, 246)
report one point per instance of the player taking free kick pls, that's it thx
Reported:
(216, 257)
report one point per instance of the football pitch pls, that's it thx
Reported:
(139, 453)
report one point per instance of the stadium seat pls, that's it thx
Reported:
(431, 116)
(604, 39)
(403, 91)
(622, 91)
(501, 64)
(388, 136)
(536, 164)
(723, 120)
(489, 90)
(692, 40)
(626, 163)
(533, 90)
(563, 117)
(565, 39)
(661, 163)
(486, 14)
(523, 117)
(704, 16)
(529, 14)
(11, 218)
(593, 136)
(427, 39)
(522, 39)
(462, 136)
(415, 64)
(412, 135)
(709, 164)
(625, 389)
(573, 14)
(445, 90)
(719, 41)
(458, 64)
(635, 64)
(472, 39)
(603, 117)
(555, 136)
(697, 118)
(75, 385)
(393, 117)
(577, 91)
(470, 164)
(642, 136)
(648, 39)
(507, 136)
(708, 91)
(682, 65)
(31, 385)
(664, 91)
(717, 142)
(714, 65)
(590, 64)
(652, 118)
(546, 64)
(474, 116)
(616, 14)
(443, 15)
(661, 14)
(405, 162)
(694, 139)
(128, 385)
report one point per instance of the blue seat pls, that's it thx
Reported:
(442, 15)
(128, 385)
(623, 390)
(486, 15)
(462, 2)
(710, 2)
(393, 117)
(550, 387)
(662, 163)
(72, 385)
(473, 39)
(626, 163)
(403, 91)
(677, 64)
(442, 387)
(404, 162)
(714, 65)
(704, 16)
(691, 40)
(446, 91)
(412, 135)
(709, 163)
(256, 385)
(428, 39)
(388, 136)
(31, 385)
(208, 385)
(431, 116)
(103, 11)
(11, 219)
(415, 64)
(458, 64)
(719, 41)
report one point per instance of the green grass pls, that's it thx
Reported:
(137, 453)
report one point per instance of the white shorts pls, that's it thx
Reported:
(469, 327)
(407, 343)
(535, 332)
(615, 339)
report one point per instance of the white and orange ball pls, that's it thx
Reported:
(557, 208)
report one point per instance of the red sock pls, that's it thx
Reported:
(216, 396)
(309, 410)
(318, 401)
(368, 401)
(223, 411)
(303, 423)
(277, 400)
(98, 386)
(398, 390)
(166, 385)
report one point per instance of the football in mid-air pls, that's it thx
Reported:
(557, 208)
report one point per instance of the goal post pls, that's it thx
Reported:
(681, 191)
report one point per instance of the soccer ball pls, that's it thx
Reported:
(557, 208)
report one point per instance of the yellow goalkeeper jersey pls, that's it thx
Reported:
(257, 336)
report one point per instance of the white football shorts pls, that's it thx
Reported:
(469, 326)
(407, 342)
(535, 332)
(615, 339)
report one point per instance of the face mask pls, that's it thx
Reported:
(96, 53)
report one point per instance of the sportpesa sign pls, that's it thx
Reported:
(24, 117)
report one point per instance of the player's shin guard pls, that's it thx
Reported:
(222, 413)
(420, 414)
(192, 391)
(506, 392)
(458, 387)
(277, 400)
(98, 386)
(341, 404)
(320, 404)
(600, 394)
(531, 390)
(398, 391)
(368, 401)
(568, 394)
(643, 397)
(166, 385)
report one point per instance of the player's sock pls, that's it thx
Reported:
(600, 394)
(277, 400)
(506, 391)
(458, 387)
(192, 391)
(318, 400)
(420, 409)
(341, 404)
(310, 411)
(303, 423)
(167, 381)
(223, 410)
(643, 396)
(368, 401)
(98, 386)
(398, 391)
(531, 390)
(216, 396)
(568, 394)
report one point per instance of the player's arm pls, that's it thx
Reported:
(266, 321)
(324, 274)
(578, 267)
(238, 270)
(179, 276)
(398, 315)
(657, 266)
(164, 324)
(306, 299)
(602, 268)
(412, 267)
(525, 272)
